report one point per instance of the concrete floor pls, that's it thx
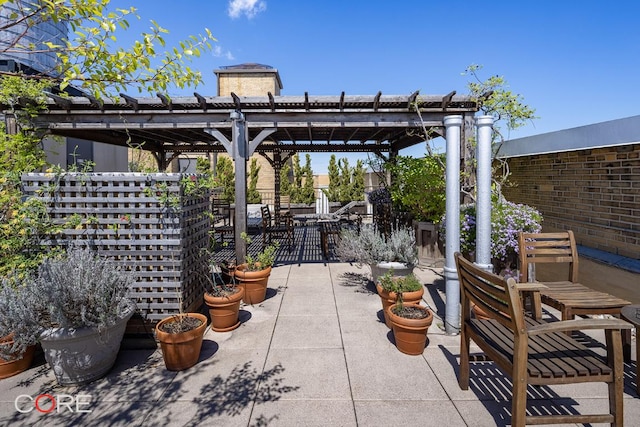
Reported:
(314, 353)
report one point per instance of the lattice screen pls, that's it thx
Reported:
(142, 220)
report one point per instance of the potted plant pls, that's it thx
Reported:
(180, 337)
(402, 253)
(77, 307)
(253, 275)
(410, 323)
(223, 298)
(389, 286)
(369, 246)
(18, 330)
(508, 219)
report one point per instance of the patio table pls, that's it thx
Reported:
(631, 313)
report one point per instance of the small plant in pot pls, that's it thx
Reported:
(389, 286)
(18, 329)
(223, 298)
(77, 306)
(253, 275)
(180, 338)
(410, 323)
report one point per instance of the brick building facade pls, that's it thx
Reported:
(595, 192)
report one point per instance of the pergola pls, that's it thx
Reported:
(274, 126)
(279, 126)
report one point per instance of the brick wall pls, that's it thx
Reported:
(594, 192)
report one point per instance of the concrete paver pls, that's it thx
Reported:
(314, 353)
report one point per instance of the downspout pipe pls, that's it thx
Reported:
(484, 126)
(452, 223)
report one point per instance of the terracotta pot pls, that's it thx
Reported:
(11, 367)
(181, 350)
(253, 282)
(410, 334)
(390, 298)
(224, 310)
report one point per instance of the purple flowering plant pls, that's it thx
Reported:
(507, 220)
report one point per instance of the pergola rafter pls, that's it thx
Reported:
(269, 125)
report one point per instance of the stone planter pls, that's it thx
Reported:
(79, 356)
(399, 269)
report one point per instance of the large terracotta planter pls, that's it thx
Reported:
(224, 310)
(410, 334)
(13, 366)
(390, 298)
(181, 350)
(253, 282)
(79, 356)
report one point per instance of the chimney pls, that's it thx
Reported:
(248, 80)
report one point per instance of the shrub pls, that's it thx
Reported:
(507, 220)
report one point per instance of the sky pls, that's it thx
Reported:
(576, 62)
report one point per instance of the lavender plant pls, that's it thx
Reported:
(81, 289)
(364, 246)
(507, 220)
(402, 245)
(368, 245)
(19, 326)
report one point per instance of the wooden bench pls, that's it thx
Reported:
(534, 352)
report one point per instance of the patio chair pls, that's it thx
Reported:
(281, 229)
(221, 217)
(570, 297)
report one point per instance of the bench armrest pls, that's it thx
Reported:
(577, 325)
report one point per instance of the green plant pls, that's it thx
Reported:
(391, 283)
(212, 276)
(418, 186)
(18, 319)
(80, 289)
(301, 191)
(226, 178)
(262, 259)
(508, 219)
(23, 221)
(364, 246)
(402, 245)
(253, 195)
(76, 290)
(91, 57)
(345, 183)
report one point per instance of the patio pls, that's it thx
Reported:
(315, 352)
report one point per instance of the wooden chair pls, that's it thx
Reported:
(221, 218)
(536, 352)
(282, 229)
(569, 296)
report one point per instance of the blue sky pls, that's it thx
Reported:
(575, 62)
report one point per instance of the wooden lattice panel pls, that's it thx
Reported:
(141, 220)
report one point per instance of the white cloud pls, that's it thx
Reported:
(249, 8)
(219, 52)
